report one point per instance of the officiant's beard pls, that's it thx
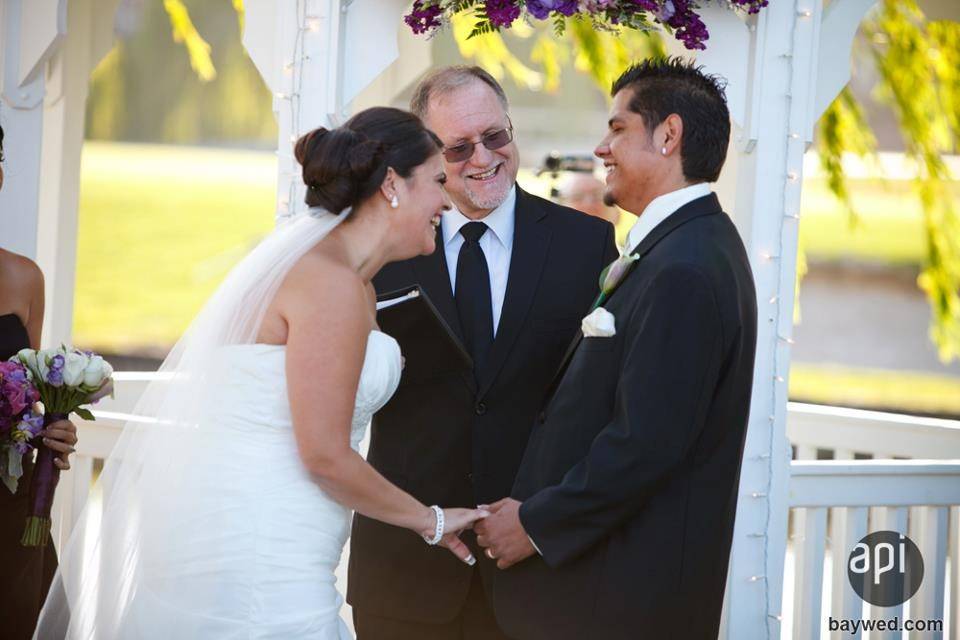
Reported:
(486, 201)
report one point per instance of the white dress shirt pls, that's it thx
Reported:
(661, 208)
(496, 243)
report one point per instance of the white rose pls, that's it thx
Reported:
(28, 358)
(93, 374)
(599, 324)
(74, 368)
(44, 357)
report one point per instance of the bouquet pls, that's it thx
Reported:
(65, 379)
(19, 422)
(678, 17)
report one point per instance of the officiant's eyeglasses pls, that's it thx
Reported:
(492, 141)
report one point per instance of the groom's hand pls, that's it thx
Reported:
(502, 534)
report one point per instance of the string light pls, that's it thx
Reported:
(791, 183)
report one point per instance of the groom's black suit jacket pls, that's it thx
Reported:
(629, 483)
(455, 441)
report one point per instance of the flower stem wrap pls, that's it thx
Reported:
(42, 486)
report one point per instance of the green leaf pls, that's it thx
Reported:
(86, 414)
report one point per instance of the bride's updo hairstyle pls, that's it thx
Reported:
(344, 166)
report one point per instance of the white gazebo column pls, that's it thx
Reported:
(784, 67)
(49, 48)
(31, 31)
(316, 56)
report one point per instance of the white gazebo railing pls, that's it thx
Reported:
(833, 504)
(836, 504)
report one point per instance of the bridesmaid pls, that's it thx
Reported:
(27, 572)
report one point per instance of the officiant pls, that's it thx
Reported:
(512, 277)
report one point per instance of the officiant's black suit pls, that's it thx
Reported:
(629, 482)
(456, 441)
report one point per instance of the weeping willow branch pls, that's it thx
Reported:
(197, 48)
(917, 62)
(843, 129)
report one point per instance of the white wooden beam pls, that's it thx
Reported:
(89, 38)
(874, 483)
(317, 56)
(840, 23)
(768, 175)
(44, 22)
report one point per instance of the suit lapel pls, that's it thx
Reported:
(706, 205)
(530, 243)
(432, 273)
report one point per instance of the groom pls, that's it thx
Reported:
(512, 275)
(621, 518)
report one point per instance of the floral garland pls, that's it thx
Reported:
(679, 17)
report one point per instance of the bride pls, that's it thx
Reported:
(227, 502)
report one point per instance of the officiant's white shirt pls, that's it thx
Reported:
(496, 243)
(661, 208)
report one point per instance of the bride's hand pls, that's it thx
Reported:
(455, 521)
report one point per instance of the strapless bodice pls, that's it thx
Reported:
(251, 390)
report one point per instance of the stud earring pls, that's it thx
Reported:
(394, 202)
(663, 151)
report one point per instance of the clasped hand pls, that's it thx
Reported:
(502, 535)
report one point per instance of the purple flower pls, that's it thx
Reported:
(540, 9)
(17, 393)
(666, 11)
(647, 5)
(29, 428)
(752, 6)
(501, 13)
(689, 27)
(423, 18)
(55, 374)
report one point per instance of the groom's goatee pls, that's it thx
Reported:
(608, 199)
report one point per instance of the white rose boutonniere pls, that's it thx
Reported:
(599, 324)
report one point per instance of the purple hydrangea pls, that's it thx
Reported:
(752, 6)
(540, 9)
(690, 29)
(17, 394)
(501, 13)
(422, 18)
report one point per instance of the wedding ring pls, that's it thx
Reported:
(490, 554)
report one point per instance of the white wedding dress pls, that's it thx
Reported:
(257, 558)
(210, 526)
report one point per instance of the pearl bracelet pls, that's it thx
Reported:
(438, 532)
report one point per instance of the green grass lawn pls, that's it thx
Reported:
(160, 226)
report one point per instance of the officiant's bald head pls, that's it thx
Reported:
(468, 110)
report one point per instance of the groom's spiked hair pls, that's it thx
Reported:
(662, 86)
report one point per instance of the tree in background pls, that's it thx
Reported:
(214, 94)
(918, 62)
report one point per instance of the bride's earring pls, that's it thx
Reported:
(663, 151)
(394, 202)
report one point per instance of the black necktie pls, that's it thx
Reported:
(473, 294)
